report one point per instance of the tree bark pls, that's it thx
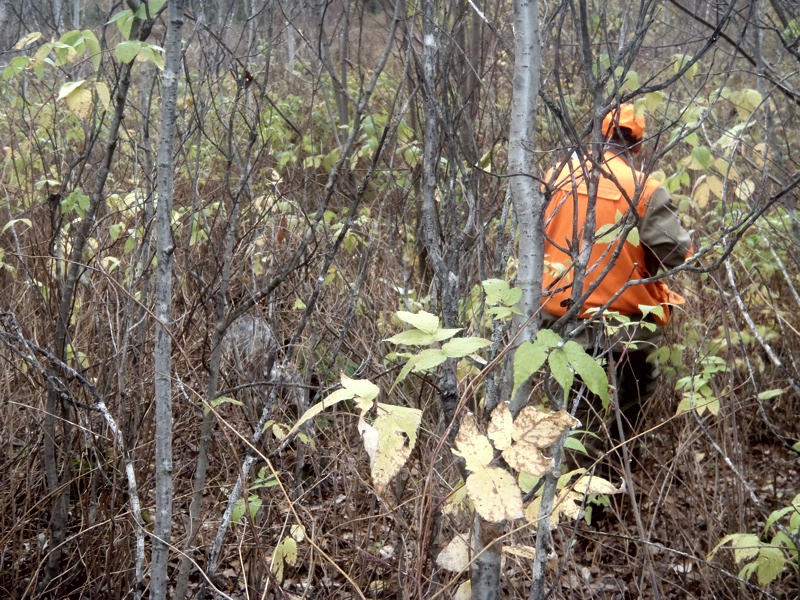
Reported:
(163, 305)
(529, 204)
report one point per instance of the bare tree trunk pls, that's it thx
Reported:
(58, 22)
(529, 204)
(163, 305)
(5, 19)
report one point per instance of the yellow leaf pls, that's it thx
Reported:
(455, 555)
(101, 89)
(456, 500)
(464, 591)
(715, 185)
(745, 189)
(500, 427)
(495, 494)
(701, 193)
(472, 445)
(390, 442)
(28, 39)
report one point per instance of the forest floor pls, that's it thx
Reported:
(686, 497)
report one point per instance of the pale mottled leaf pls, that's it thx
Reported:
(540, 428)
(103, 94)
(455, 555)
(80, 102)
(298, 532)
(472, 445)
(528, 458)
(397, 428)
(594, 485)
(27, 39)
(500, 426)
(495, 494)
(464, 591)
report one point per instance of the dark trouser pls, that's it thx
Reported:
(634, 380)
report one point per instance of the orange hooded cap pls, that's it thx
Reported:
(625, 117)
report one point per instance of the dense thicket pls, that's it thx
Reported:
(337, 162)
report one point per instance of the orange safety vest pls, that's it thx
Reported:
(562, 230)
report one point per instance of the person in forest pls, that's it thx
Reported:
(625, 198)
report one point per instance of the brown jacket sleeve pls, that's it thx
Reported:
(662, 233)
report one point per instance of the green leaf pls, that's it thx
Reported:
(528, 359)
(151, 6)
(573, 443)
(363, 388)
(499, 292)
(412, 337)
(607, 233)
(445, 334)
(633, 237)
(548, 337)
(127, 51)
(253, 503)
(429, 359)
(702, 157)
(424, 321)
(527, 481)
(653, 100)
(778, 514)
(559, 367)
(153, 54)
(495, 290)
(771, 562)
(648, 310)
(93, 46)
(124, 21)
(458, 347)
(589, 370)
(770, 394)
